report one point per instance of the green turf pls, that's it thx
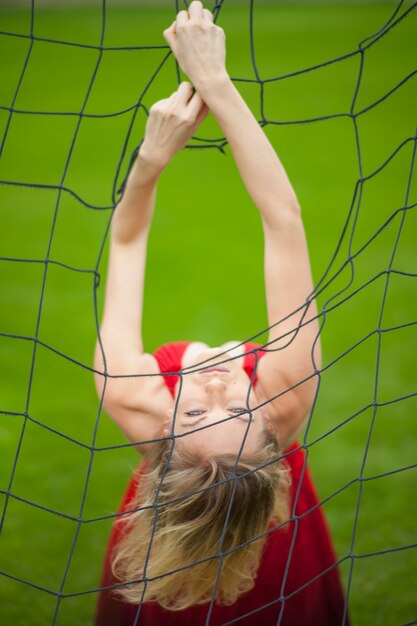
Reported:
(204, 221)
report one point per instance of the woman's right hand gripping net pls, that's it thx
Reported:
(198, 44)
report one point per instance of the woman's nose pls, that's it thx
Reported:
(215, 385)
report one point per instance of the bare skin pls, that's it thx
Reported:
(142, 406)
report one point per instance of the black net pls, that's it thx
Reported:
(342, 264)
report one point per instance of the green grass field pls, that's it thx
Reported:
(205, 221)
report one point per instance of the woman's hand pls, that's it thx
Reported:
(171, 123)
(198, 44)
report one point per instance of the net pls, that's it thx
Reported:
(337, 287)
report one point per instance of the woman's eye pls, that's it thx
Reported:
(194, 413)
(239, 410)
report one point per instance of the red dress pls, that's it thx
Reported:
(297, 584)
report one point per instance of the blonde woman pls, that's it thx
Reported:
(221, 516)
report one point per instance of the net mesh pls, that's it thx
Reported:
(342, 264)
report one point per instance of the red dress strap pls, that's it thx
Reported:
(169, 357)
(252, 358)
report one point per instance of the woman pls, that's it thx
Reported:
(222, 520)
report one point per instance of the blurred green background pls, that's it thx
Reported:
(204, 221)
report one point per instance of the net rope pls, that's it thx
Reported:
(401, 12)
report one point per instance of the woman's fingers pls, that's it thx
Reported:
(184, 91)
(182, 18)
(170, 34)
(197, 108)
(197, 43)
(185, 99)
(195, 10)
(182, 95)
(193, 105)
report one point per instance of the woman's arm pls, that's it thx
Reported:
(122, 317)
(120, 352)
(288, 280)
(200, 49)
(139, 404)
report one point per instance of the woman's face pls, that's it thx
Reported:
(210, 395)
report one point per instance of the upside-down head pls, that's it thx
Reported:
(192, 509)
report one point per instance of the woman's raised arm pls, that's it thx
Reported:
(120, 349)
(170, 125)
(199, 46)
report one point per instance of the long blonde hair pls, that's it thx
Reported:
(187, 525)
